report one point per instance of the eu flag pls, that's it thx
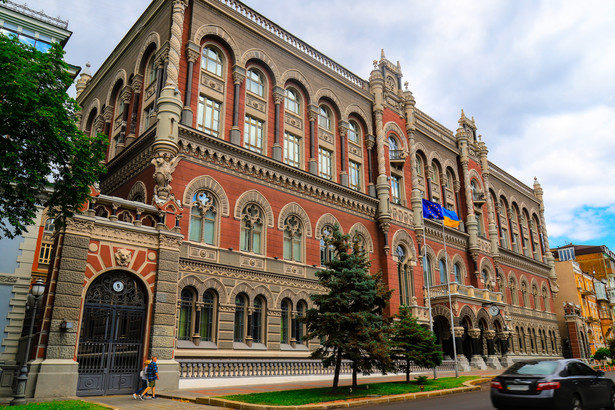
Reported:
(432, 210)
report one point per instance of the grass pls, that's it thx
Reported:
(323, 394)
(61, 404)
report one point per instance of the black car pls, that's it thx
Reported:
(552, 384)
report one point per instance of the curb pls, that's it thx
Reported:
(471, 385)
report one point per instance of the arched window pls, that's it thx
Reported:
(354, 132)
(404, 274)
(326, 251)
(300, 326)
(476, 194)
(435, 174)
(292, 102)
(450, 179)
(212, 61)
(443, 273)
(427, 277)
(239, 330)
(484, 275)
(203, 218)
(394, 151)
(293, 239)
(208, 312)
(419, 166)
(251, 229)
(285, 321)
(325, 118)
(457, 272)
(255, 83)
(186, 311)
(152, 71)
(259, 320)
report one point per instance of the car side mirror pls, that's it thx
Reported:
(599, 373)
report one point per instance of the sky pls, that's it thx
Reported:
(538, 77)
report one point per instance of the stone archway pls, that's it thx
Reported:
(112, 335)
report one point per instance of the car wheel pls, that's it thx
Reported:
(576, 403)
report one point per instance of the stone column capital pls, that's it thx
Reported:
(474, 333)
(459, 331)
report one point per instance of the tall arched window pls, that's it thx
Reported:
(443, 273)
(285, 320)
(484, 275)
(208, 312)
(419, 166)
(325, 118)
(251, 229)
(186, 311)
(394, 151)
(354, 132)
(427, 277)
(255, 83)
(300, 326)
(404, 274)
(292, 102)
(326, 251)
(203, 218)
(457, 273)
(212, 61)
(239, 330)
(293, 239)
(259, 320)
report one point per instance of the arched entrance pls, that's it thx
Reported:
(111, 337)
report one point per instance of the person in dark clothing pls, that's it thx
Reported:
(152, 376)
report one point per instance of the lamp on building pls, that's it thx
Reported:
(38, 288)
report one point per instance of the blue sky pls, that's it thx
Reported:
(536, 75)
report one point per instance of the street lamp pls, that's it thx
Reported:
(38, 288)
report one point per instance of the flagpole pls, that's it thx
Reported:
(428, 276)
(450, 302)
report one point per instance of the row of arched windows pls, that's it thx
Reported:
(532, 341)
(198, 318)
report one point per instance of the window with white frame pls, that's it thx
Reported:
(203, 218)
(253, 134)
(251, 229)
(292, 102)
(293, 239)
(292, 150)
(325, 118)
(211, 61)
(255, 83)
(395, 189)
(325, 163)
(354, 175)
(354, 132)
(208, 116)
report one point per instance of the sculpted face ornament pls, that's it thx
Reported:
(123, 257)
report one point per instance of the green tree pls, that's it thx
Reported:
(602, 354)
(411, 342)
(40, 144)
(349, 319)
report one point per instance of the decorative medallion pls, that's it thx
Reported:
(123, 257)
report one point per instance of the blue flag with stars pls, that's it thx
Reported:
(432, 210)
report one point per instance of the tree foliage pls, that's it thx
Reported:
(349, 318)
(602, 354)
(411, 342)
(40, 144)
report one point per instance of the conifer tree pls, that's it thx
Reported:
(411, 342)
(349, 318)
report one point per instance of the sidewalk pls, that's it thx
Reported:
(222, 387)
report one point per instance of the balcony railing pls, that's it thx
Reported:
(397, 155)
(439, 291)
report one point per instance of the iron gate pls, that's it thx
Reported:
(111, 338)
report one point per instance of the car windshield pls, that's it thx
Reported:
(537, 368)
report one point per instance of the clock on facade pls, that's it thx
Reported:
(118, 286)
(494, 310)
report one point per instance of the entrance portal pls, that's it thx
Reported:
(111, 339)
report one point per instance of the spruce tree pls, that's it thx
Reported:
(349, 318)
(411, 342)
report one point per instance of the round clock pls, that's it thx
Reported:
(118, 286)
(494, 310)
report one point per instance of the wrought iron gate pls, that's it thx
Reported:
(111, 338)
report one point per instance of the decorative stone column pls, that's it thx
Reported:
(477, 360)
(462, 360)
(193, 53)
(493, 231)
(343, 129)
(313, 162)
(239, 75)
(370, 141)
(504, 337)
(278, 98)
(137, 84)
(492, 360)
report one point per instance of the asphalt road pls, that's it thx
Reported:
(476, 400)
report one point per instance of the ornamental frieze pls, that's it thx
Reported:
(212, 83)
